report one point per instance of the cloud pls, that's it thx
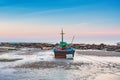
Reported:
(50, 11)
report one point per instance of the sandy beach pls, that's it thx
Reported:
(41, 65)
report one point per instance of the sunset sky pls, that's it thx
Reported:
(90, 21)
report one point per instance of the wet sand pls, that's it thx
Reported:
(41, 65)
(107, 77)
(53, 64)
(29, 51)
(98, 53)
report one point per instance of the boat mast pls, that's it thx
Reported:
(62, 34)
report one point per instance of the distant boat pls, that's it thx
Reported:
(63, 50)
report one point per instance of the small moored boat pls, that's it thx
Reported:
(63, 50)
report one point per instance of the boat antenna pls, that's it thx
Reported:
(62, 34)
(72, 39)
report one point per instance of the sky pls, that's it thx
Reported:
(90, 21)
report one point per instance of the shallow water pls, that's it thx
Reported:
(82, 67)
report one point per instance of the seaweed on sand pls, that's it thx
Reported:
(9, 60)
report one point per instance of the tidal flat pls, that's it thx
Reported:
(37, 64)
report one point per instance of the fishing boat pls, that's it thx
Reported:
(63, 50)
